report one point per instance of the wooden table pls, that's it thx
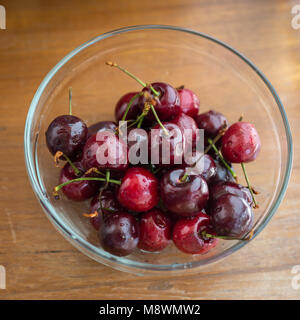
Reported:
(39, 262)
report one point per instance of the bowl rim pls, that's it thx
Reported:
(75, 238)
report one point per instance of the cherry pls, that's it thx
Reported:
(138, 190)
(212, 122)
(185, 122)
(221, 188)
(108, 204)
(189, 102)
(184, 198)
(187, 234)
(231, 216)
(105, 150)
(101, 126)
(67, 134)
(122, 104)
(222, 173)
(119, 233)
(155, 231)
(158, 140)
(205, 166)
(240, 143)
(167, 103)
(77, 191)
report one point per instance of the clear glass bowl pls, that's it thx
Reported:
(223, 79)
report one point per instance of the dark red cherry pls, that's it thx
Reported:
(101, 126)
(222, 173)
(118, 233)
(138, 190)
(122, 104)
(109, 204)
(206, 166)
(231, 216)
(77, 191)
(188, 127)
(166, 150)
(183, 198)
(168, 103)
(241, 143)
(67, 134)
(212, 122)
(155, 231)
(189, 102)
(105, 150)
(187, 234)
(221, 188)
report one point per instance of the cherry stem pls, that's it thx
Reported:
(208, 235)
(94, 170)
(140, 121)
(107, 177)
(249, 186)
(91, 215)
(158, 120)
(215, 140)
(113, 64)
(70, 101)
(95, 213)
(57, 188)
(141, 117)
(157, 170)
(130, 104)
(222, 158)
(137, 120)
(59, 154)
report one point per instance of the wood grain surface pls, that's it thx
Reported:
(39, 263)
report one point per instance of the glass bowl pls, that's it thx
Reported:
(223, 79)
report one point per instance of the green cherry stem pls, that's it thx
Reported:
(94, 170)
(249, 186)
(59, 154)
(222, 158)
(95, 213)
(140, 121)
(143, 84)
(76, 170)
(57, 188)
(158, 120)
(208, 235)
(70, 101)
(130, 104)
(107, 177)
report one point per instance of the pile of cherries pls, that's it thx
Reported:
(148, 206)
